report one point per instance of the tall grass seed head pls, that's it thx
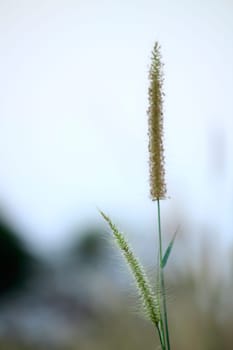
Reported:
(155, 121)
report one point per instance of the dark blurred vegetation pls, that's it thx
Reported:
(79, 302)
(92, 249)
(16, 262)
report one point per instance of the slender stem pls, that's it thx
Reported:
(161, 338)
(162, 277)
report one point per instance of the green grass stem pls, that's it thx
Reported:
(163, 290)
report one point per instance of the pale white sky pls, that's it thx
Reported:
(73, 101)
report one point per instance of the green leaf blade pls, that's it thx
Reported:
(168, 250)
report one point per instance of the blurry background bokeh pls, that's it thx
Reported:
(73, 138)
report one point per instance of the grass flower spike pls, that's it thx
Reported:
(151, 306)
(155, 114)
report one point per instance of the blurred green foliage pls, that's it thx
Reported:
(92, 248)
(15, 260)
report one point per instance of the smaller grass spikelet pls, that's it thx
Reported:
(155, 121)
(150, 303)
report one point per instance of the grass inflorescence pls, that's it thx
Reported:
(155, 122)
(150, 302)
(154, 302)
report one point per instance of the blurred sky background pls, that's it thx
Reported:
(73, 122)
